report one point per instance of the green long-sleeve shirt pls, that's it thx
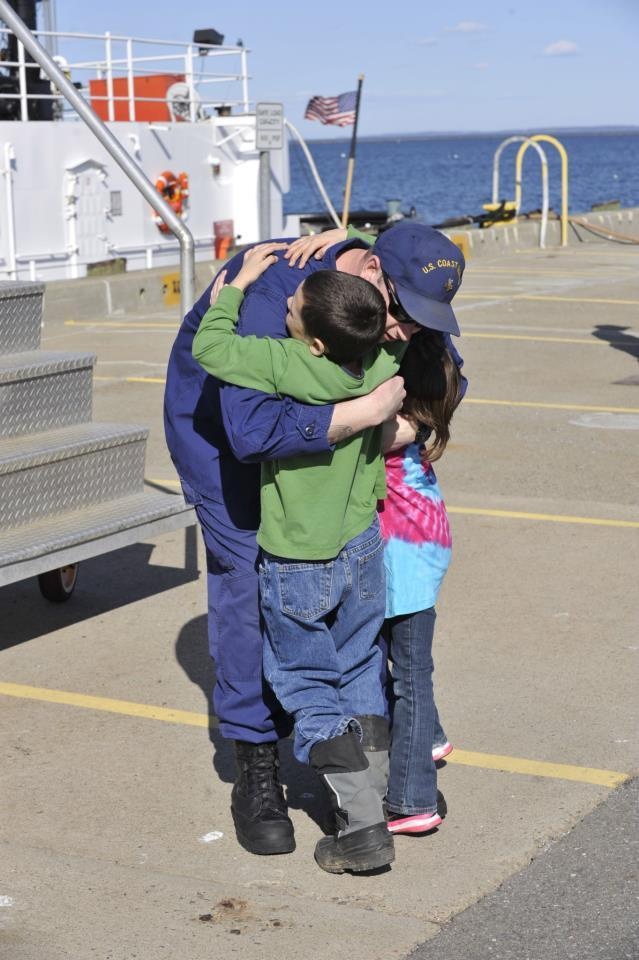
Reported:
(311, 505)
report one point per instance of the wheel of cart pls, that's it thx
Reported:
(58, 585)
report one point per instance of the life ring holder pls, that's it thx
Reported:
(175, 190)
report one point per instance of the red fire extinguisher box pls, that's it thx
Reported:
(149, 95)
(224, 234)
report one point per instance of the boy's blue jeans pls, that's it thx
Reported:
(321, 655)
(415, 727)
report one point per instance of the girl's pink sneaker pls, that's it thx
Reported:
(441, 750)
(413, 823)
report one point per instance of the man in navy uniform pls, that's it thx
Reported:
(218, 434)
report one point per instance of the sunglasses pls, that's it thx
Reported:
(395, 308)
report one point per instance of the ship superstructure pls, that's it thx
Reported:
(181, 110)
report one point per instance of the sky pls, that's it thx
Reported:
(496, 65)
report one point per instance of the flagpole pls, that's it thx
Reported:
(351, 156)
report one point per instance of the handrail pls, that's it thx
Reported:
(115, 149)
(564, 176)
(544, 181)
(7, 171)
(211, 48)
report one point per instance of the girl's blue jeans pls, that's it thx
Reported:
(415, 726)
(322, 620)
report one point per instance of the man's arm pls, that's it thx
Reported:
(353, 416)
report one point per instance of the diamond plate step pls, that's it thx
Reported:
(88, 532)
(20, 316)
(47, 473)
(41, 390)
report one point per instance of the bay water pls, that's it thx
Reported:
(451, 176)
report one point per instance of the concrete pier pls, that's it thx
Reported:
(117, 839)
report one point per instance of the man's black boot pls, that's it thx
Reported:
(258, 806)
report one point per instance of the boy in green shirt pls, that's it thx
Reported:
(321, 570)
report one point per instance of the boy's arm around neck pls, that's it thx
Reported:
(263, 363)
(246, 361)
(282, 366)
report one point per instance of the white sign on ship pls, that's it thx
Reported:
(269, 131)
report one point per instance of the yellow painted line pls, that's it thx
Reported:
(146, 379)
(163, 483)
(520, 336)
(550, 517)
(531, 296)
(133, 325)
(573, 253)
(630, 255)
(476, 270)
(497, 403)
(536, 768)
(551, 406)
(125, 707)
(486, 512)
(497, 295)
(466, 334)
(133, 379)
(628, 303)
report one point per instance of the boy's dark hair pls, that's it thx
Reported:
(346, 313)
(433, 387)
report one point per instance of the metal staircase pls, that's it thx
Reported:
(69, 488)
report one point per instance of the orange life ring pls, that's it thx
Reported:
(175, 191)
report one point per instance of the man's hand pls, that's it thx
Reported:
(352, 416)
(256, 261)
(397, 433)
(302, 249)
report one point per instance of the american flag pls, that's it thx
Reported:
(339, 110)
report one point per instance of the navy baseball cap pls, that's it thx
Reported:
(426, 269)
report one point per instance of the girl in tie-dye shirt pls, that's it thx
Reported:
(417, 552)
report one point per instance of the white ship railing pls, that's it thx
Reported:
(127, 58)
(52, 259)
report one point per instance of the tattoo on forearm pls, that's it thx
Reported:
(337, 434)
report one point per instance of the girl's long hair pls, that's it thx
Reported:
(433, 388)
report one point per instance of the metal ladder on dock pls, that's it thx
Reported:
(70, 489)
